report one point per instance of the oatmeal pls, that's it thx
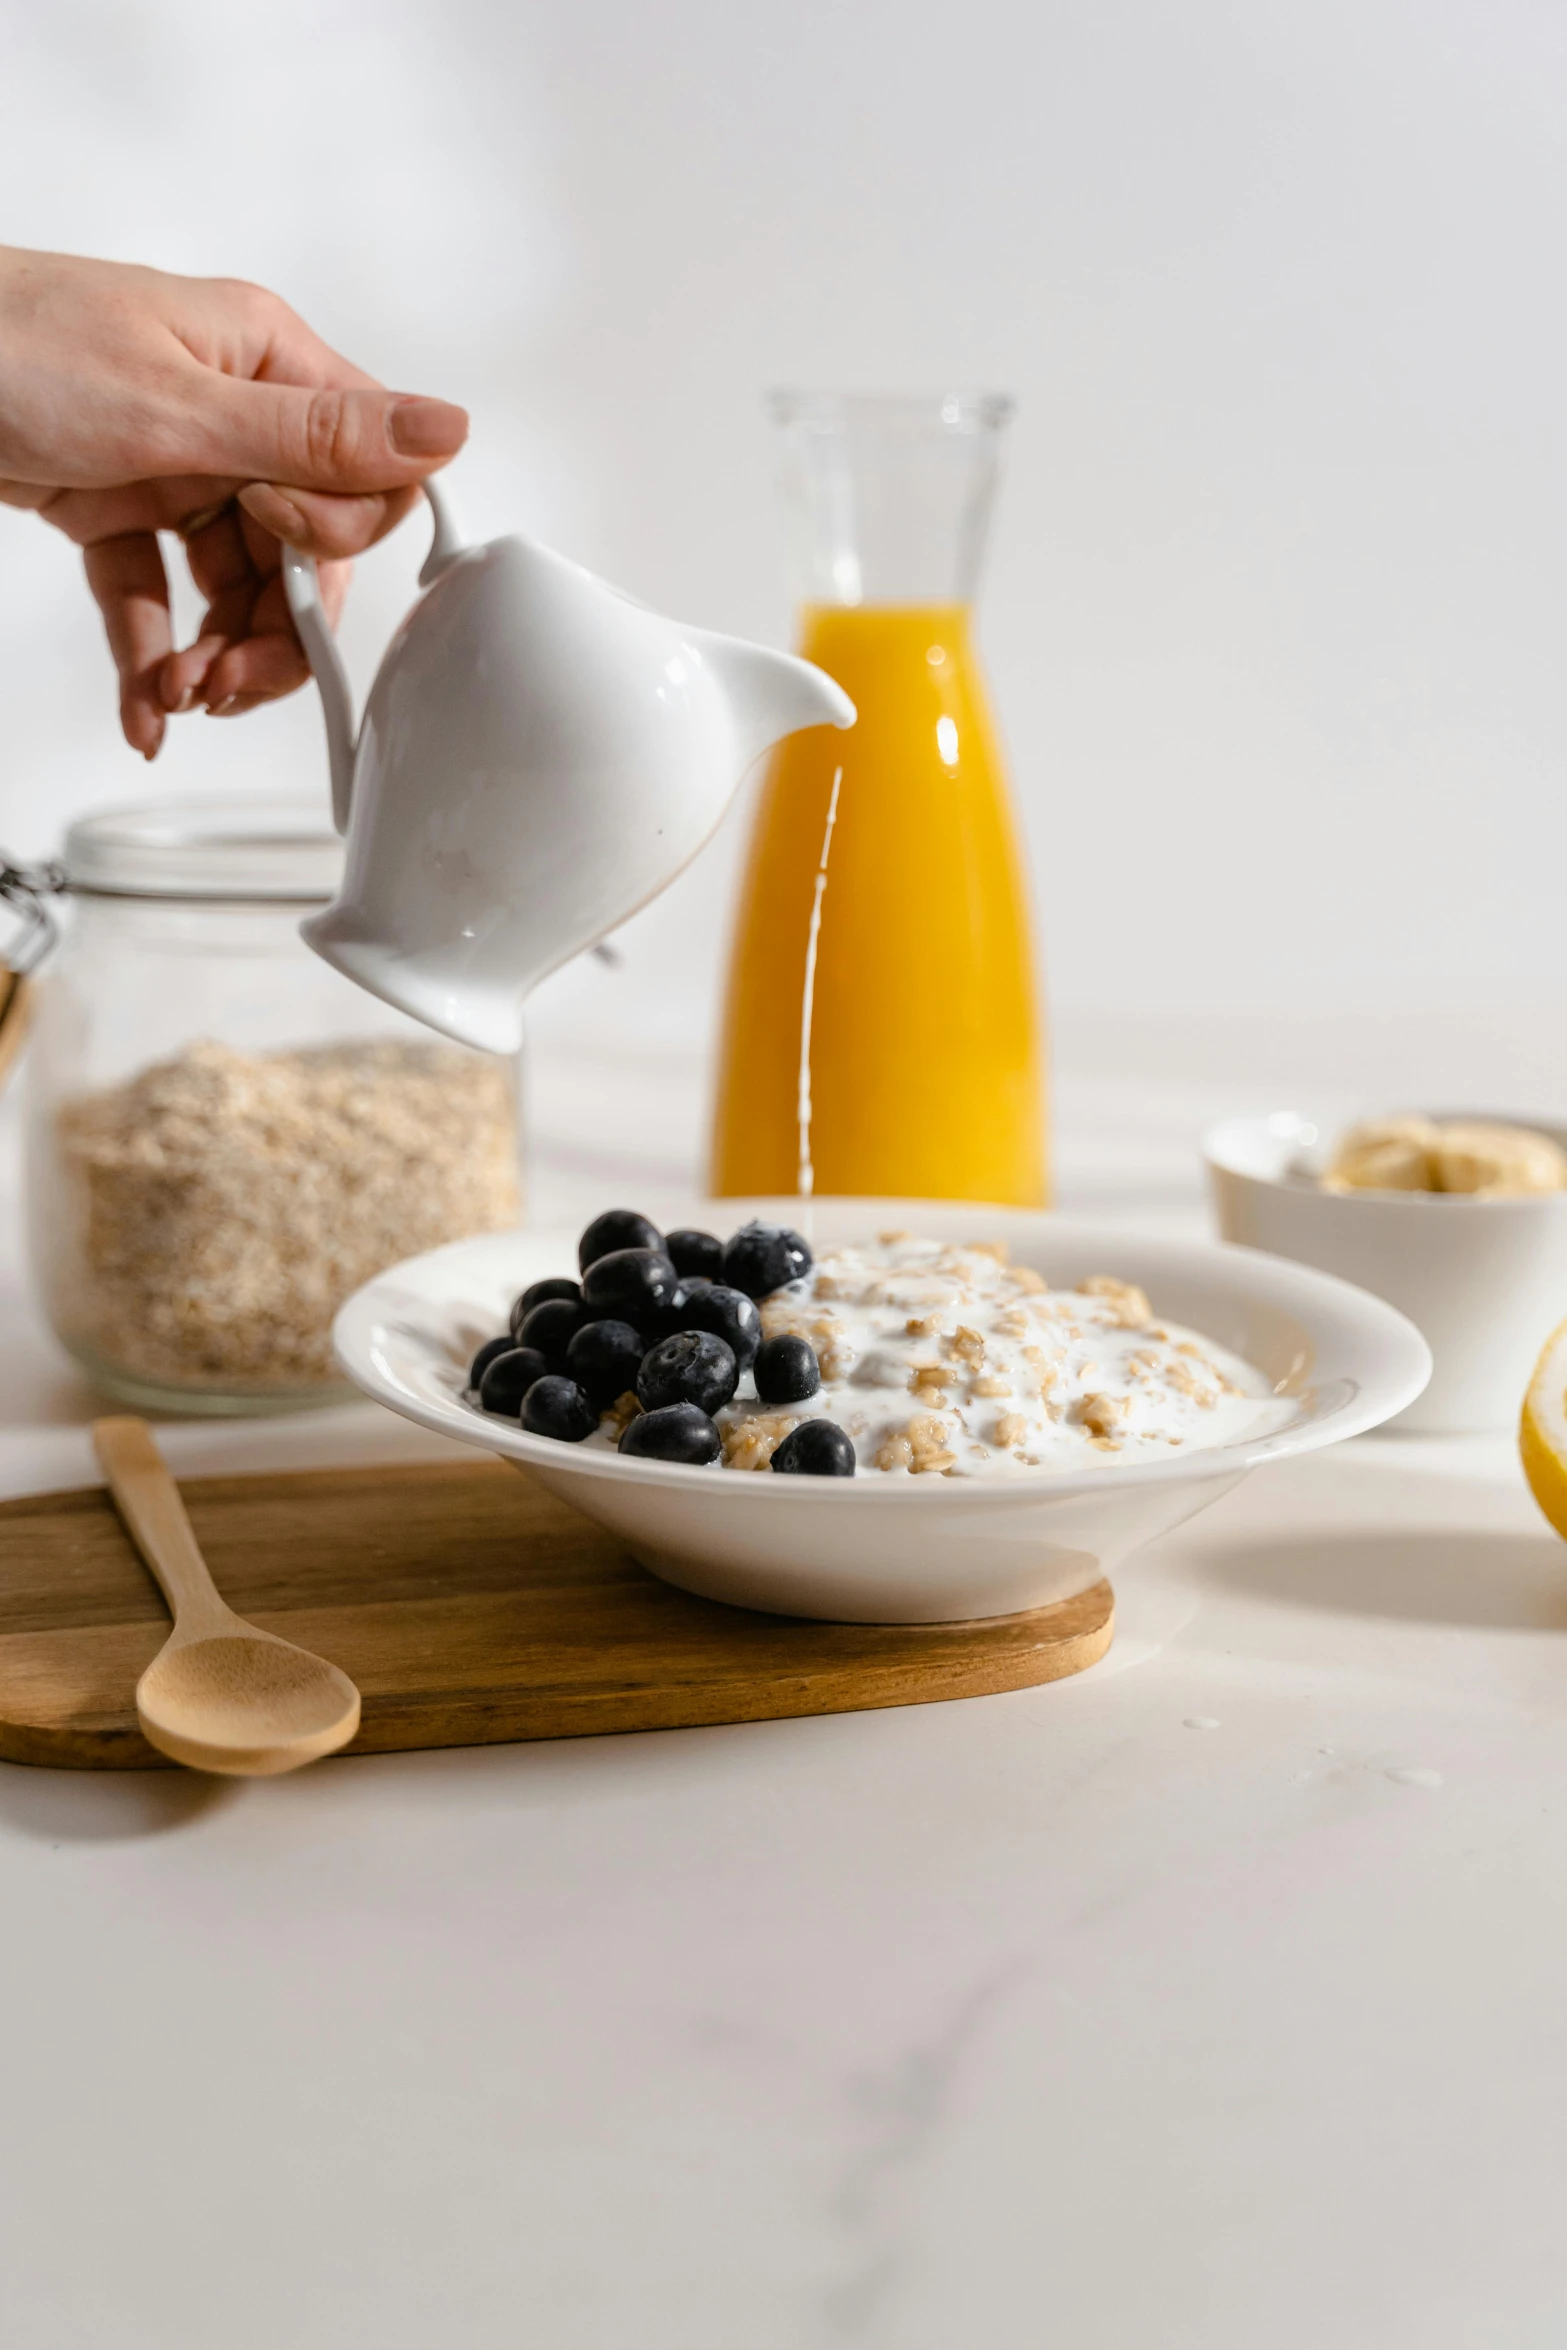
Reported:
(944, 1360)
(938, 1359)
(895, 1357)
(210, 1216)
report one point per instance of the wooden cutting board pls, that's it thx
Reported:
(470, 1607)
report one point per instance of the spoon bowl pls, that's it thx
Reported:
(244, 1702)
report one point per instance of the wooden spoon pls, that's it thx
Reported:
(220, 1695)
(16, 1004)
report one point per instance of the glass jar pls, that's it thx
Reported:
(224, 1137)
(905, 1059)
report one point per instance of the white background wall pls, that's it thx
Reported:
(1276, 613)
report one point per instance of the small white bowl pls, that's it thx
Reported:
(900, 1550)
(1484, 1279)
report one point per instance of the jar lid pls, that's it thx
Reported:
(271, 850)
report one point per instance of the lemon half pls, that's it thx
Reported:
(1542, 1431)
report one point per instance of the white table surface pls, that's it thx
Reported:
(1214, 1998)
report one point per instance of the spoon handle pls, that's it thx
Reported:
(16, 1003)
(149, 1502)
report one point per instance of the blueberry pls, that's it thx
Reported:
(696, 1252)
(557, 1407)
(762, 1257)
(551, 1327)
(603, 1358)
(616, 1229)
(508, 1379)
(676, 1314)
(692, 1367)
(629, 1285)
(677, 1433)
(786, 1370)
(815, 1448)
(535, 1295)
(486, 1355)
(730, 1315)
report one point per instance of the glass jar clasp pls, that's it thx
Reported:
(27, 889)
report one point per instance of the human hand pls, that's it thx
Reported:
(132, 401)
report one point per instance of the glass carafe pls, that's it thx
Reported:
(925, 1073)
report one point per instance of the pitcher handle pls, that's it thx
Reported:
(302, 586)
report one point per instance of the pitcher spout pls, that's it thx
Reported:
(772, 694)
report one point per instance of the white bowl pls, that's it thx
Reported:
(900, 1550)
(1484, 1279)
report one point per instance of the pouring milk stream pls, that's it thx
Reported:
(539, 756)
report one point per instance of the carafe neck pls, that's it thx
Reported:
(888, 501)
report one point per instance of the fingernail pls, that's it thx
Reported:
(226, 708)
(187, 701)
(427, 428)
(274, 512)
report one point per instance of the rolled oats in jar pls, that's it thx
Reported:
(225, 1137)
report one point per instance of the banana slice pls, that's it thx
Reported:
(1385, 1154)
(1498, 1162)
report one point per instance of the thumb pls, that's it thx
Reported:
(327, 439)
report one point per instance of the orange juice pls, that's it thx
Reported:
(925, 1060)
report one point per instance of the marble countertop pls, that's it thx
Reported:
(1210, 1999)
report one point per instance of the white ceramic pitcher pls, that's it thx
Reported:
(539, 757)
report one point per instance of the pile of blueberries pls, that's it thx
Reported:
(671, 1318)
